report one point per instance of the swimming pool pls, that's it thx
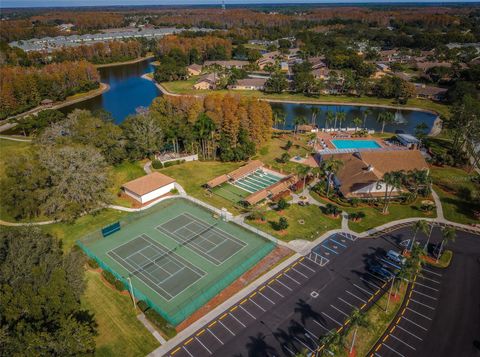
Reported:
(356, 144)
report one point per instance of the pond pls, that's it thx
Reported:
(405, 120)
(128, 91)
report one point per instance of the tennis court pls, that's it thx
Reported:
(177, 254)
(256, 181)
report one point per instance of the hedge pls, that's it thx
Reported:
(172, 163)
(157, 164)
(112, 280)
(92, 263)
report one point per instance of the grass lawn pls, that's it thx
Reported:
(378, 321)
(70, 232)
(193, 175)
(315, 223)
(122, 173)
(453, 185)
(119, 331)
(186, 87)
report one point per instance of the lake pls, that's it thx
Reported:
(128, 91)
(405, 120)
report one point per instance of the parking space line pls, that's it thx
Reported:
(347, 303)
(435, 281)
(329, 249)
(267, 298)
(416, 312)
(407, 319)
(376, 277)
(406, 344)
(370, 282)
(365, 291)
(311, 333)
(201, 343)
(285, 286)
(226, 328)
(421, 303)
(219, 340)
(247, 312)
(275, 291)
(319, 324)
(295, 337)
(428, 296)
(340, 311)
(240, 322)
(411, 334)
(391, 349)
(355, 296)
(340, 244)
(289, 350)
(288, 276)
(426, 286)
(299, 272)
(261, 308)
(306, 266)
(331, 318)
(390, 263)
(185, 349)
(430, 271)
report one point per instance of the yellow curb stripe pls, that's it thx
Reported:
(175, 350)
(188, 341)
(201, 332)
(223, 316)
(212, 324)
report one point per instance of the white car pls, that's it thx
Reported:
(396, 257)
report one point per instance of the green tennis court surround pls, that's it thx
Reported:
(177, 255)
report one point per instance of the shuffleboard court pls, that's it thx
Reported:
(206, 240)
(160, 269)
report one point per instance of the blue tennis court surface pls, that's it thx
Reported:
(356, 144)
(256, 181)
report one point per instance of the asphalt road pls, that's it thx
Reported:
(317, 294)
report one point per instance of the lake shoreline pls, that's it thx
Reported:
(115, 64)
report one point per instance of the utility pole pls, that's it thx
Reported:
(428, 240)
(131, 292)
(353, 340)
(389, 294)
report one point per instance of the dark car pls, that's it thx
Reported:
(379, 270)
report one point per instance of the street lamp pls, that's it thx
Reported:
(131, 292)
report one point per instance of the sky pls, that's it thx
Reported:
(65, 3)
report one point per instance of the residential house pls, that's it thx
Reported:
(249, 84)
(208, 81)
(430, 92)
(194, 69)
(227, 64)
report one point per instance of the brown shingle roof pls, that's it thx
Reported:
(217, 181)
(148, 183)
(275, 189)
(242, 171)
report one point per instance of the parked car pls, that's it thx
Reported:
(377, 269)
(396, 257)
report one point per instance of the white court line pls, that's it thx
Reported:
(306, 266)
(200, 342)
(331, 318)
(288, 276)
(240, 322)
(226, 328)
(185, 349)
(403, 317)
(364, 290)
(267, 298)
(369, 282)
(416, 312)
(268, 286)
(426, 286)
(430, 271)
(295, 337)
(406, 344)
(401, 328)
(240, 306)
(219, 340)
(347, 303)
(356, 296)
(428, 296)
(261, 308)
(319, 324)
(306, 277)
(421, 303)
(340, 311)
(286, 286)
(435, 281)
(391, 349)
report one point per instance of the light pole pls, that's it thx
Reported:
(131, 292)
(353, 340)
(428, 239)
(389, 294)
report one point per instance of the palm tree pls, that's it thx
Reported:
(330, 168)
(357, 122)
(366, 114)
(279, 116)
(329, 118)
(393, 180)
(418, 179)
(357, 319)
(341, 117)
(385, 118)
(299, 120)
(331, 341)
(421, 226)
(315, 112)
(303, 171)
(449, 235)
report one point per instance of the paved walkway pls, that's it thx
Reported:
(438, 205)
(149, 327)
(13, 138)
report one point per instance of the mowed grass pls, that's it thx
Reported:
(315, 223)
(193, 175)
(119, 331)
(71, 232)
(453, 186)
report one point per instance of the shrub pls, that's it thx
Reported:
(174, 191)
(284, 158)
(119, 285)
(92, 263)
(331, 210)
(109, 277)
(356, 216)
(281, 224)
(282, 204)
(157, 164)
(142, 305)
(288, 145)
(158, 320)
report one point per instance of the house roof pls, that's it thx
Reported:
(363, 168)
(195, 67)
(429, 90)
(275, 189)
(253, 82)
(242, 171)
(227, 63)
(148, 183)
(217, 181)
(210, 78)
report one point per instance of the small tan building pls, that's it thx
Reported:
(149, 187)
(249, 84)
(194, 69)
(208, 81)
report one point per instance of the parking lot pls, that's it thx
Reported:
(316, 294)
